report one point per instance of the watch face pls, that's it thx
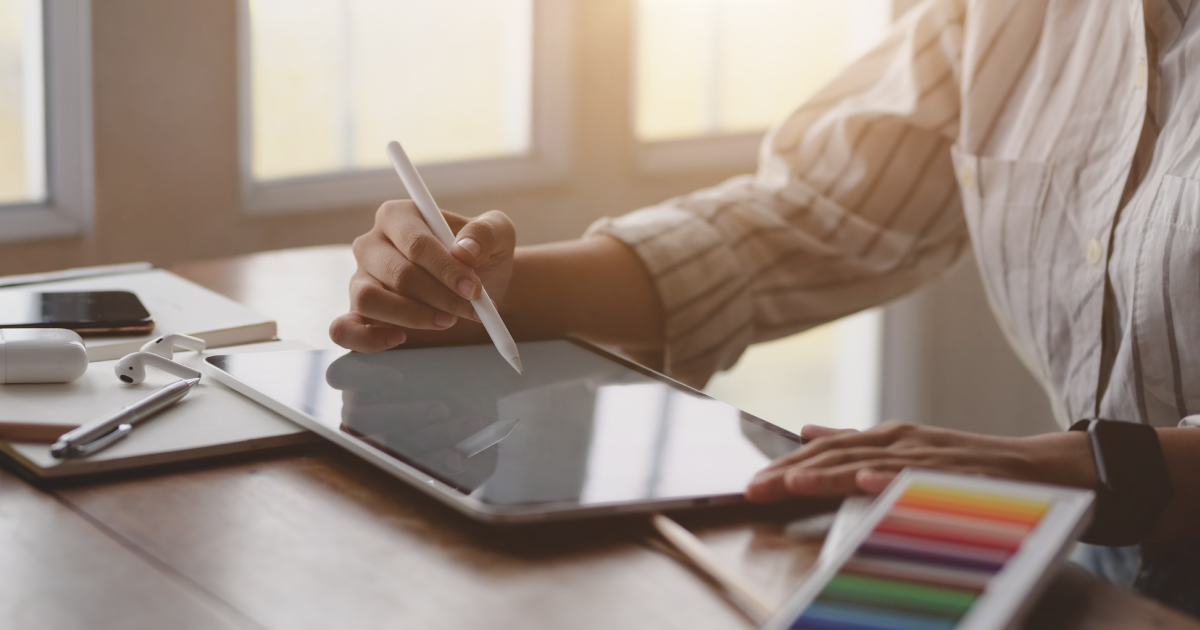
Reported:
(1129, 457)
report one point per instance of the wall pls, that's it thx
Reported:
(165, 86)
(167, 191)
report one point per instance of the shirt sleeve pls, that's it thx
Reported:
(854, 203)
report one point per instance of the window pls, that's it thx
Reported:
(327, 83)
(709, 77)
(45, 119)
(22, 109)
(712, 75)
(830, 375)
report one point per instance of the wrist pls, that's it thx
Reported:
(596, 288)
(525, 305)
(1064, 459)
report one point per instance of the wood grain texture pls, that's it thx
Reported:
(316, 538)
(319, 539)
(59, 571)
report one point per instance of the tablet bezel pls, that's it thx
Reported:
(471, 506)
(1011, 592)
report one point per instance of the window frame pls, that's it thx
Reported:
(546, 163)
(70, 173)
(712, 152)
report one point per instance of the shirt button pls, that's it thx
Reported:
(1139, 74)
(1093, 252)
(966, 177)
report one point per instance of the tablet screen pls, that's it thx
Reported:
(579, 427)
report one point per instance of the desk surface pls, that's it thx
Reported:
(314, 538)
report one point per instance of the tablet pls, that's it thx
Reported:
(581, 433)
(939, 551)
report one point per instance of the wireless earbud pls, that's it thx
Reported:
(132, 368)
(165, 346)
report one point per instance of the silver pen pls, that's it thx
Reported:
(106, 430)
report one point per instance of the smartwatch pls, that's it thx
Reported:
(1133, 485)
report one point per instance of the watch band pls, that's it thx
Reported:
(1133, 483)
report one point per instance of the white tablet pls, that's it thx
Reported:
(939, 552)
(581, 433)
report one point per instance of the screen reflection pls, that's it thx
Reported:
(576, 428)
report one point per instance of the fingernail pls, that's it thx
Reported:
(395, 338)
(798, 478)
(468, 289)
(475, 316)
(470, 245)
(444, 320)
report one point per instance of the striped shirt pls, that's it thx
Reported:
(1057, 139)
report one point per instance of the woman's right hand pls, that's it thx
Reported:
(407, 282)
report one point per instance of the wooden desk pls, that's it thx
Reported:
(315, 538)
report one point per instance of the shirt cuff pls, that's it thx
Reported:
(701, 284)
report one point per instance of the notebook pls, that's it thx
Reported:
(211, 420)
(177, 306)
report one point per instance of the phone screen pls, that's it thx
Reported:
(95, 312)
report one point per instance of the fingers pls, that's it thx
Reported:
(355, 332)
(844, 462)
(381, 264)
(401, 223)
(841, 472)
(408, 281)
(873, 481)
(833, 439)
(488, 236)
(807, 477)
(370, 299)
(814, 431)
(833, 481)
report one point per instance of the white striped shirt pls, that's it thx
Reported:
(1060, 138)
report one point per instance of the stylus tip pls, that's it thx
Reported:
(516, 363)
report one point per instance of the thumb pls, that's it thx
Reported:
(814, 431)
(486, 237)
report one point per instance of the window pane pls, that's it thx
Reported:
(828, 375)
(333, 81)
(729, 66)
(22, 103)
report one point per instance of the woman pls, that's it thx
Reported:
(1057, 138)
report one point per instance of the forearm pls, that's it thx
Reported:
(596, 288)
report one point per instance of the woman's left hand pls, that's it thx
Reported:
(841, 462)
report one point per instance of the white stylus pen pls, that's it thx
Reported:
(433, 216)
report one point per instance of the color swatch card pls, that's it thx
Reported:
(940, 552)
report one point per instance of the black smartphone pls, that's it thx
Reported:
(85, 312)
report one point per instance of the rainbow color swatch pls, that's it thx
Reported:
(927, 561)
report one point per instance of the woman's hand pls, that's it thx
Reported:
(841, 462)
(407, 281)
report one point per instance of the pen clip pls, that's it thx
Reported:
(83, 450)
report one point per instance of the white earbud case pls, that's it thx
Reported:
(41, 355)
